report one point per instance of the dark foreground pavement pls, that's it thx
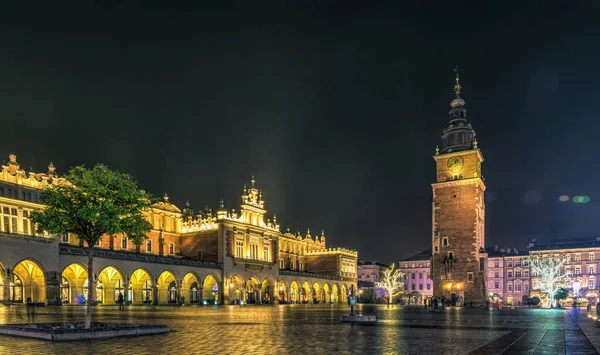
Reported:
(310, 329)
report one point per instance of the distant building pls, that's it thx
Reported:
(582, 266)
(369, 273)
(417, 277)
(495, 272)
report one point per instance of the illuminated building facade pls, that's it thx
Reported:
(369, 273)
(417, 277)
(458, 261)
(190, 257)
(581, 267)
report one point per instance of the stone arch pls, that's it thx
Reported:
(316, 292)
(268, 290)
(252, 289)
(344, 294)
(2, 280)
(73, 286)
(335, 294)
(141, 287)
(191, 288)
(109, 283)
(236, 288)
(282, 292)
(210, 288)
(326, 294)
(28, 280)
(168, 287)
(294, 295)
(306, 293)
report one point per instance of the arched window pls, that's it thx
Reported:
(147, 292)
(16, 289)
(172, 292)
(65, 291)
(194, 293)
(119, 290)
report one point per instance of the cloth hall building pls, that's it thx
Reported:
(188, 257)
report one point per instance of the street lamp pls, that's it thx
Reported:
(576, 288)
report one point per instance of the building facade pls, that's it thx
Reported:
(458, 261)
(369, 273)
(190, 257)
(581, 266)
(417, 276)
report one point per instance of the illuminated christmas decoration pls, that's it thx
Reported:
(391, 281)
(548, 274)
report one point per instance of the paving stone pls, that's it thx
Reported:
(316, 329)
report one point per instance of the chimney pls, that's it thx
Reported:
(508, 250)
(496, 248)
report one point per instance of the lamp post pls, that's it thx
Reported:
(576, 288)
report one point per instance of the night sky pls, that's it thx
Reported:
(336, 108)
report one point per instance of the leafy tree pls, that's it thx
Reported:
(391, 282)
(547, 273)
(561, 294)
(368, 295)
(90, 203)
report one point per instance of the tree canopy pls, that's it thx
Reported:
(94, 202)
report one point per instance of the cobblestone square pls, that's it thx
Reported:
(315, 329)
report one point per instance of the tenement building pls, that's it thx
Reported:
(458, 261)
(580, 270)
(418, 285)
(189, 257)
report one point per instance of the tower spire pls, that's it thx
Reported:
(458, 135)
(457, 86)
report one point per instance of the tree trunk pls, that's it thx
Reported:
(91, 285)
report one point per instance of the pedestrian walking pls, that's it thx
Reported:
(435, 303)
(121, 301)
(30, 311)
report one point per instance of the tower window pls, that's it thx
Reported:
(470, 276)
(450, 255)
(445, 242)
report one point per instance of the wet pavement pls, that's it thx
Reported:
(315, 329)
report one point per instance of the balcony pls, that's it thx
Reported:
(315, 275)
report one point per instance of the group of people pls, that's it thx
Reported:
(435, 303)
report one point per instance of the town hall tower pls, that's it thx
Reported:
(458, 260)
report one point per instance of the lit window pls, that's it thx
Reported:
(591, 283)
(591, 256)
(239, 248)
(171, 248)
(591, 269)
(254, 251)
(149, 246)
(266, 254)
(577, 270)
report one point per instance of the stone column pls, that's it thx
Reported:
(288, 294)
(221, 297)
(155, 292)
(126, 294)
(53, 288)
(7, 277)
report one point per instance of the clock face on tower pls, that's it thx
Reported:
(455, 164)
